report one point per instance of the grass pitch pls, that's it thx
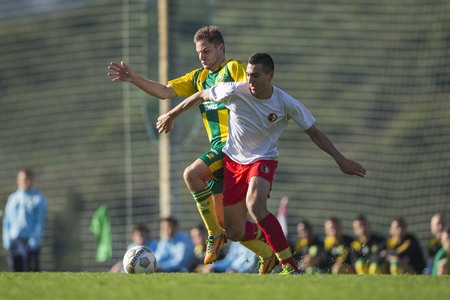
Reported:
(190, 286)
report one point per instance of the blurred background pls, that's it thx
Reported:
(376, 74)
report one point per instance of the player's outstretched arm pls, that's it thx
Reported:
(122, 72)
(166, 121)
(347, 166)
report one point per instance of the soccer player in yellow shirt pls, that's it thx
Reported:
(204, 176)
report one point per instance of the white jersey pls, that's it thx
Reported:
(255, 125)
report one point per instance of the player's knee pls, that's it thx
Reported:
(189, 174)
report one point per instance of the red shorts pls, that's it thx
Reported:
(237, 177)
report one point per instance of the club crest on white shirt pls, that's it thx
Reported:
(272, 117)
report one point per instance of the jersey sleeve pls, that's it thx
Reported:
(237, 71)
(184, 85)
(222, 91)
(299, 113)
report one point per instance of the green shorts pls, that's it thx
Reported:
(214, 160)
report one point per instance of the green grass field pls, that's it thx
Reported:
(189, 286)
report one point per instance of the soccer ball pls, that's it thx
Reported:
(139, 259)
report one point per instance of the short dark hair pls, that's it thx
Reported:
(447, 230)
(141, 227)
(201, 227)
(400, 221)
(361, 218)
(170, 220)
(264, 59)
(335, 221)
(26, 171)
(308, 226)
(209, 33)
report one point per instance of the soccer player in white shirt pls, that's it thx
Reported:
(259, 113)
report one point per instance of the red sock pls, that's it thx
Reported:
(251, 232)
(276, 239)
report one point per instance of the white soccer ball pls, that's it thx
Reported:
(139, 259)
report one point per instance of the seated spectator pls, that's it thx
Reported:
(238, 259)
(365, 248)
(337, 248)
(199, 234)
(141, 237)
(441, 264)
(175, 251)
(437, 225)
(308, 250)
(403, 253)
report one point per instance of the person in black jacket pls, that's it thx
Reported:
(337, 248)
(308, 250)
(366, 247)
(403, 253)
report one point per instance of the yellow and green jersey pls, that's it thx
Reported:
(214, 114)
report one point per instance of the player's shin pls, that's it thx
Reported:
(255, 240)
(277, 241)
(205, 206)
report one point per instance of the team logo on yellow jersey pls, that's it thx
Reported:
(211, 154)
(272, 117)
(210, 105)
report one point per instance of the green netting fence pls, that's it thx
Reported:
(376, 74)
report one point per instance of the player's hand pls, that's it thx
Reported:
(120, 72)
(165, 123)
(351, 167)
